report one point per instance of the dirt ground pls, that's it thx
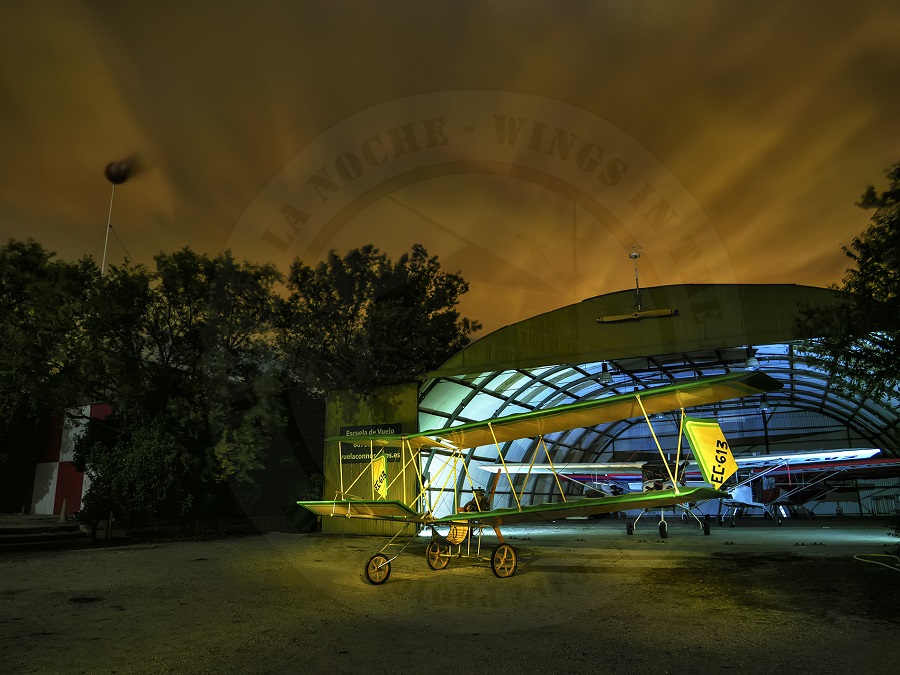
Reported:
(586, 598)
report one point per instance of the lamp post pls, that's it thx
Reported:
(116, 173)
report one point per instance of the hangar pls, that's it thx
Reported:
(630, 341)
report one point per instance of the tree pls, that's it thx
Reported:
(859, 340)
(185, 360)
(362, 320)
(44, 303)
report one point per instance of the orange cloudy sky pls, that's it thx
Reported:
(528, 144)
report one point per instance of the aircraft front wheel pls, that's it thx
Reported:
(378, 569)
(663, 529)
(504, 561)
(437, 556)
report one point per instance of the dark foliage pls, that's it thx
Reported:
(363, 320)
(858, 339)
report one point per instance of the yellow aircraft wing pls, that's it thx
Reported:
(688, 394)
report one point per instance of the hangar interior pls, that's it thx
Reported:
(632, 341)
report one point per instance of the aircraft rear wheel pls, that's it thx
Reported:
(706, 526)
(663, 529)
(721, 520)
(504, 561)
(378, 569)
(629, 527)
(437, 556)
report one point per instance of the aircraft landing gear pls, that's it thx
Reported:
(629, 527)
(504, 561)
(378, 569)
(663, 529)
(706, 525)
(437, 556)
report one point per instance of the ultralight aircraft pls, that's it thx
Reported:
(705, 438)
(783, 481)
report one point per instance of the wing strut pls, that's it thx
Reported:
(345, 491)
(541, 444)
(680, 439)
(552, 469)
(503, 461)
(405, 444)
(658, 446)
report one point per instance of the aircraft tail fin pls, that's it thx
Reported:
(711, 450)
(379, 475)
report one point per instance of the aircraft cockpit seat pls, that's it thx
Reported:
(456, 536)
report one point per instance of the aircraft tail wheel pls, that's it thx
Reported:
(706, 526)
(504, 561)
(437, 556)
(378, 569)
(663, 529)
(629, 527)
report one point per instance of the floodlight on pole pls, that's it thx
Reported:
(116, 173)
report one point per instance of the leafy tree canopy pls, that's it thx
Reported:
(186, 364)
(362, 320)
(859, 341)
(44, 303)
(193, 354)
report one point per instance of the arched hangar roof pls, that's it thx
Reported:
(625, 341)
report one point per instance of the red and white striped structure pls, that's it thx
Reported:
(55, 477)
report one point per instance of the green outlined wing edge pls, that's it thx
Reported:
(373, 509)
(586, 506)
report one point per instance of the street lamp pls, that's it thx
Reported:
(116, 173)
